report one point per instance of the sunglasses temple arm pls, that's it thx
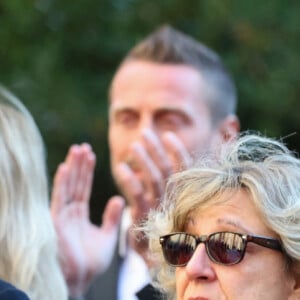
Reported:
(265, 242)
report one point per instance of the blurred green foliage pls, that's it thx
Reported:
(59, 58)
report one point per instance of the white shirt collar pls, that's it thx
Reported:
(126, 222)
(134, 273)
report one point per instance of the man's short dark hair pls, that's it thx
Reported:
(169, 46)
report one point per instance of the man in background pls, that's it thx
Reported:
(171, 100)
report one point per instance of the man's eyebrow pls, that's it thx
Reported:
(121, 109)
(166, 109)
(117, 107)
(173, 109)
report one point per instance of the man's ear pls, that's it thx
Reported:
(295, 294)
(230, 127)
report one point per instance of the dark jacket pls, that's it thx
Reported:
(9, 292)
(105, 286)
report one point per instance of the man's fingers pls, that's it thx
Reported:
(153, 178)
(112, 213)
(59, 191)
(73, 178)
(157, 153)
(131, 186)
(85, 173)
(179, 155)
(107, 235)
(73, 161)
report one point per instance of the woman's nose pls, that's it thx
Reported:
(200, 266)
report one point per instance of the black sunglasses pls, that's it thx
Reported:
(225, 248)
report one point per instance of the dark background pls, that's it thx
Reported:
(59, 56)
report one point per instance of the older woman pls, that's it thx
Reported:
(229, 228)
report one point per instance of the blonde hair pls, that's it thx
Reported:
(28, 255)
(263, 166)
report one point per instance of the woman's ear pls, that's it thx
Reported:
(295, 288)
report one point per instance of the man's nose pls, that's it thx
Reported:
(146, 123)
(147, 126)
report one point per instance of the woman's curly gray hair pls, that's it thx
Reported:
(263, 166)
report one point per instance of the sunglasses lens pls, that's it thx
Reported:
(226, 248)
(179, 248)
